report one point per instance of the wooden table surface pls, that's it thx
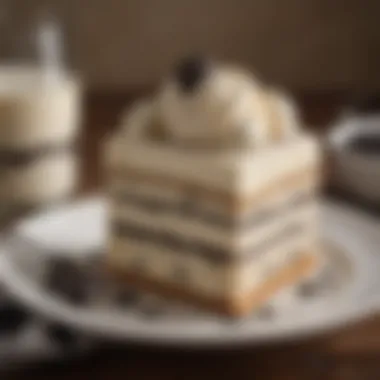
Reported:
(353, 352)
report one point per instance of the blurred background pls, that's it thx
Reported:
(325, 52)
(308, 46)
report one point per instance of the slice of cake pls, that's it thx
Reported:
(212, 191)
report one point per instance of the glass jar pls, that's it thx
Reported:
(40, 107)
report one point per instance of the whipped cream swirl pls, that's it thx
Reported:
(204, 104)
(224, 108)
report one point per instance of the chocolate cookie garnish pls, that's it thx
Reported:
(190, 72)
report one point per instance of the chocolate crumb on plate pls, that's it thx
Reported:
(68, 281)
(12, 318)
(62, 336)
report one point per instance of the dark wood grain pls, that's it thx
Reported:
(352, 352)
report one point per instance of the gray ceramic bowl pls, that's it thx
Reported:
(355, 171)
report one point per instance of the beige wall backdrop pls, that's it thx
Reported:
(309, 45)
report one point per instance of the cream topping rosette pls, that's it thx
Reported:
(203, 103)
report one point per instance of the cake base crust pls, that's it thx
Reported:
(235, 307)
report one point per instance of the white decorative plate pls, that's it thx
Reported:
(50, 262)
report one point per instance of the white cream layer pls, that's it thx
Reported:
(44, 180)
(239, 172)
(195, 273)
(247, 277)
(225, 108)
(175, 197)
(235, 240)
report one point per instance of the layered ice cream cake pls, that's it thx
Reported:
(212, 191)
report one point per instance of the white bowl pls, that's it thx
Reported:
(354, 172)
